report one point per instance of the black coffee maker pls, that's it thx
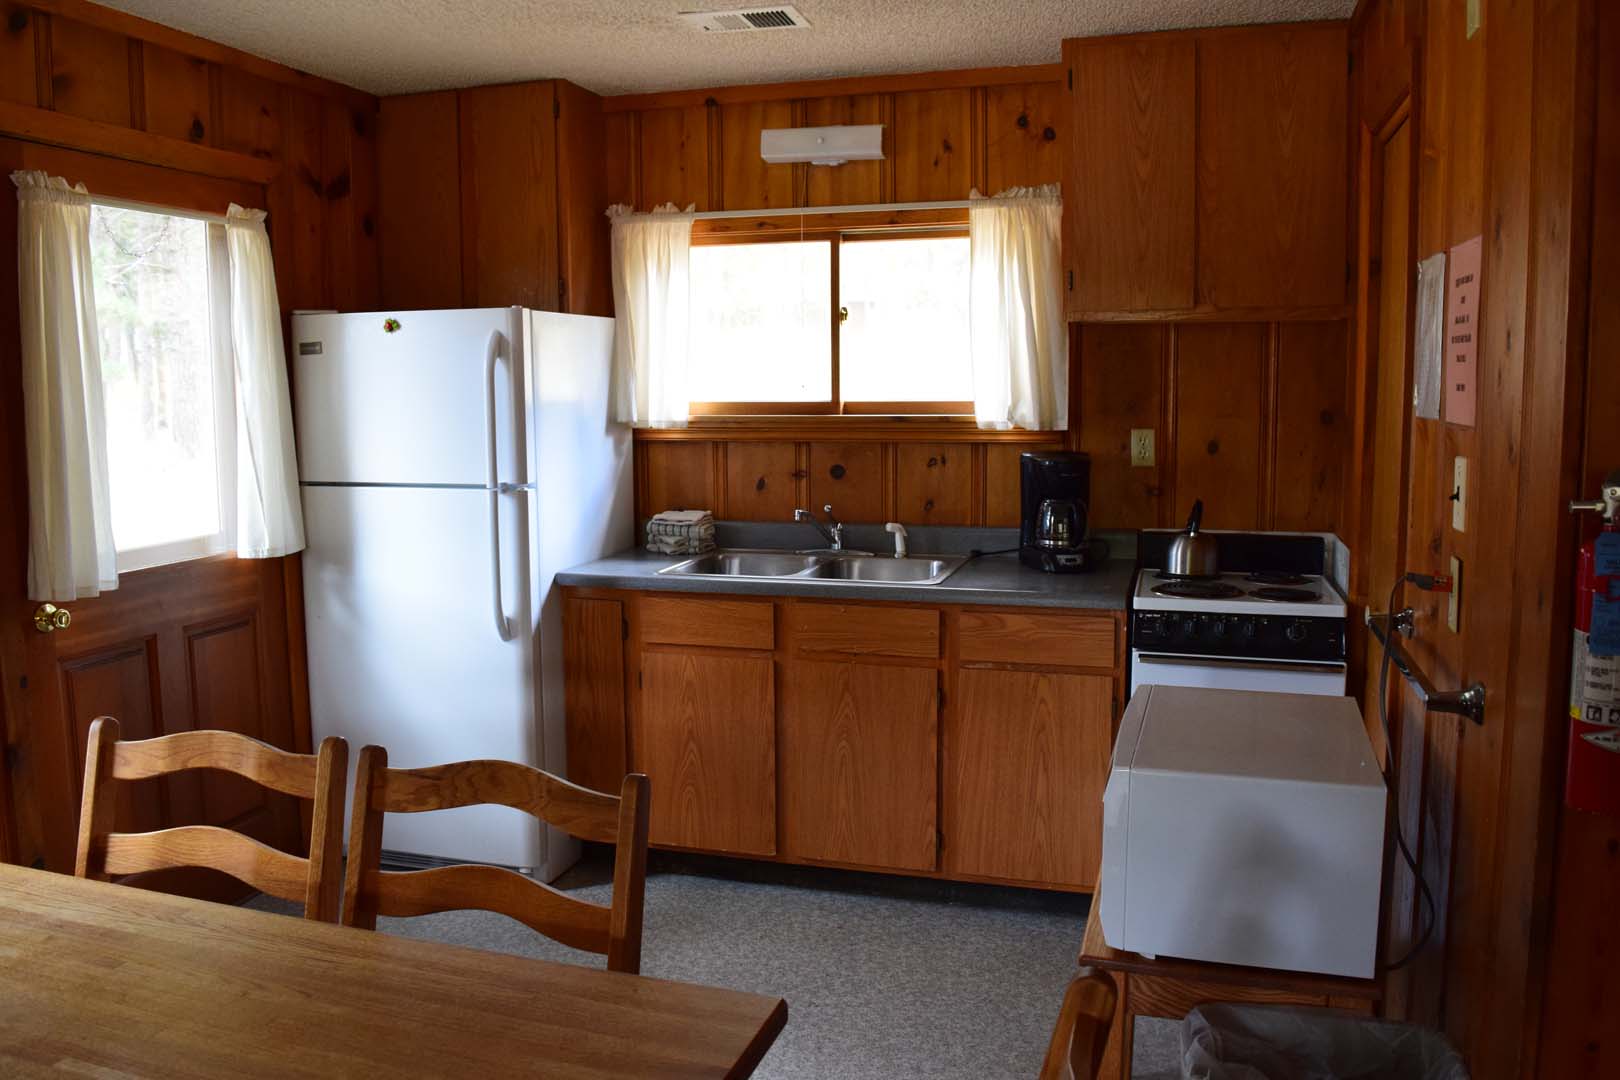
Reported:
(1055, 493)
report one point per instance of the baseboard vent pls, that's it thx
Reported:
(777, 17)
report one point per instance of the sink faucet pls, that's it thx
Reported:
(900, 537)
(834, 536)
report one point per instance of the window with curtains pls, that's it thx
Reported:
(854, 322)
(162, 297)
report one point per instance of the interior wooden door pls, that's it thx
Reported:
(859, 762)
(1026, 759)
(199, 644)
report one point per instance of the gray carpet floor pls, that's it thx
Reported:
(877, 986)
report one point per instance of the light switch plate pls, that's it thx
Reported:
(1474, 18)
(1454, 601)
(1142, 447)
(1459, 493)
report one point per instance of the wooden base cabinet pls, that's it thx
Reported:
(705, 737)
(859, 753)
(1026, 758)
(952, 741)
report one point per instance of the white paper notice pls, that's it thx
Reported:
(1428, 348)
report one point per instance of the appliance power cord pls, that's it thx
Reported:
(1390, 778)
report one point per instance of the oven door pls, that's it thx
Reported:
(1235, 673)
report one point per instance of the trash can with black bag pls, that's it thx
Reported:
(1282, 1042)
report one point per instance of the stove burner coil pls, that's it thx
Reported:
(1277, 577)
(1286, 596)
(1198, 589)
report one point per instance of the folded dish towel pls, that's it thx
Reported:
(681, 532)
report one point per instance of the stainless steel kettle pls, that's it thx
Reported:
(1193, 553)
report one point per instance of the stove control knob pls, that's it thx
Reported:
(1218, 628)
(1250, 627)
(1296, 631)
(1189, 626)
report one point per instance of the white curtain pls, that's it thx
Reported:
(651, 305)
(269, 521)
(70, 543)
(1015, 303)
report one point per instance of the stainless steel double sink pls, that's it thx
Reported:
(844, 567)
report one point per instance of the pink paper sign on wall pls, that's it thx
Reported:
(1462, 332)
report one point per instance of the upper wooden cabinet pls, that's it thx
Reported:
(1128, 177)
(1206, 172)
(494, 196)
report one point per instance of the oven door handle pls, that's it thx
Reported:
(1302, 667)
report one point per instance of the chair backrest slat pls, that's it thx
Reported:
(578, 811)
(242, 857)
(590, 815)
(265, 765)
(557, 915)
(317, 880)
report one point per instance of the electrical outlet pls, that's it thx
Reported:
(1459, 493)
(1454, 601)
(1142, 447)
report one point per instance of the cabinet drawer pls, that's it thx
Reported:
(866, 631)
(730, 624)
(1037, 638)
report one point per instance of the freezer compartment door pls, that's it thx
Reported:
(404, 652)
(408, 406)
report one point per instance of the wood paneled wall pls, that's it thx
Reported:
(944, 134)
(1248, 417)
(141, 111)
(88, 78)
(1503, 124)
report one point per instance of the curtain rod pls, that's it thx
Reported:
(803, 211)
(154, 208)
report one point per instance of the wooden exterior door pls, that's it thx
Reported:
(200, 644)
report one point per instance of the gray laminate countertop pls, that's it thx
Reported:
(988, 579)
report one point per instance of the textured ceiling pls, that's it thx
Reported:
(624, 46)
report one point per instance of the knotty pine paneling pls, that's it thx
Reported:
(1220, 373)
(853, 477)
(746, 181)
(673, 161)
(854, 182)
(762, 481)
(1023, 135)
(18, 81)
(675, 476)
(934, 483)
(90, 72)
(1121, 380)
(933, 145)
(250, 114)
(1312, 433)
(176, 94)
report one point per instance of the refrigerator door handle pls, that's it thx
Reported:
(492, 353)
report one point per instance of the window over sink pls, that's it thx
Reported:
(867, 322)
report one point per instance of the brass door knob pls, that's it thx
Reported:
(49, 618)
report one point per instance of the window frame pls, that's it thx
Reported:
(838, 230)
(223, 363)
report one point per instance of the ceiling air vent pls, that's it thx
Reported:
(780, 17)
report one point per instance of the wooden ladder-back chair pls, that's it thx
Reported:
(316, 881)
(1081, 1033)
(621, 820)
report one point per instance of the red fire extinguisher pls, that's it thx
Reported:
(1593, 779)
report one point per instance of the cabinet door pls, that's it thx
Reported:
(860, 764)
(706, 738)
(1128, 178)
(1026, 757)
(509, 196)
(1272, 169)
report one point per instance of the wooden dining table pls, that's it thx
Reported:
(104, 980)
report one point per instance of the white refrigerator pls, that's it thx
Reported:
(451, 463)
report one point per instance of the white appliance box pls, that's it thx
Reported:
(1244, 827)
